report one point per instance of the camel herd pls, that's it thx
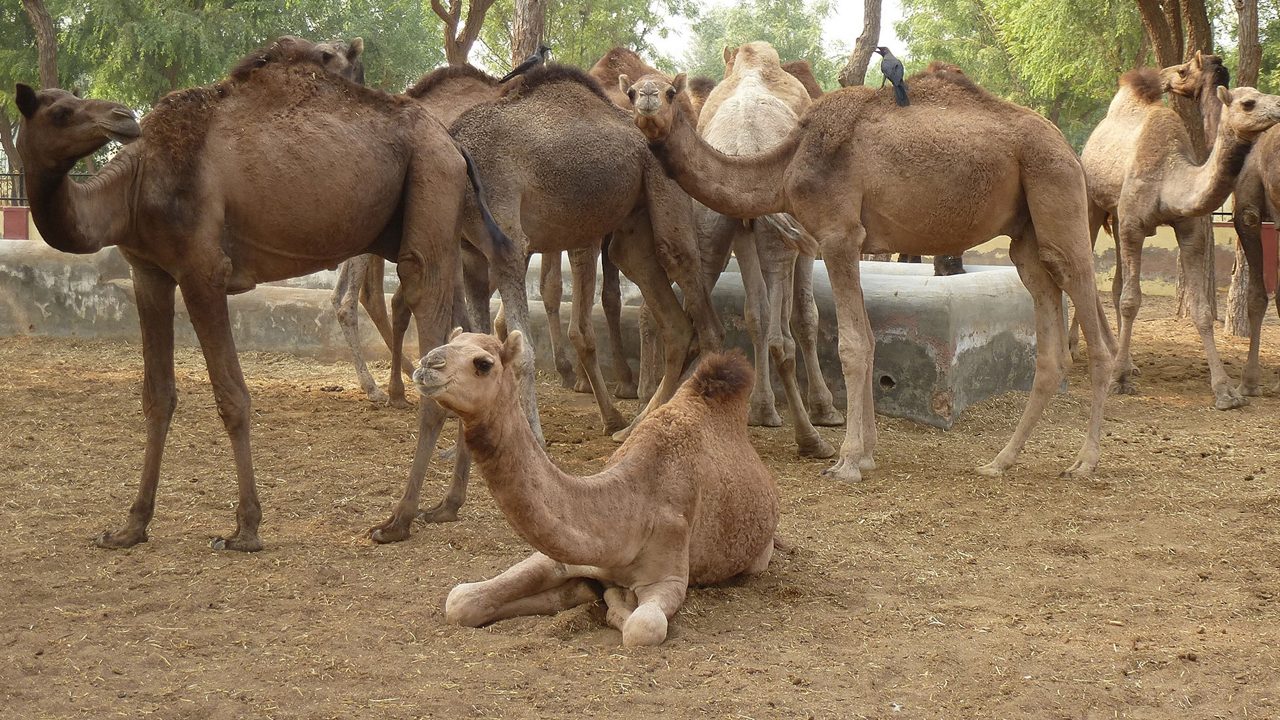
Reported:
(290, 165)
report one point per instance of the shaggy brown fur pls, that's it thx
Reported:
(1145, 83)
(722, 377)
(438, 77)
(802, 71)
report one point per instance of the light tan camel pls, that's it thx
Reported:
(802, 71)
(1256, 192)
(1015, 176)
(563, 168)
(1142, 171)
(753, 109)
(238, 183)
(684, 501)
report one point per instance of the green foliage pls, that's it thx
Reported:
(793, 27)
(580, 32)
(1060, 57)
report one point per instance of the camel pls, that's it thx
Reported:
(1142, 171)
(236, 183)
(684, 501)
(1017, 177)
(753, 109)
(1255, 200)
(801, 70)
(564, 168)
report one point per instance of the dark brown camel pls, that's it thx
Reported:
(234, 184)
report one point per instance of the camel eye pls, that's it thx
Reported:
(671, 94)
(483, 365)
(631, 94)
(1248, 104)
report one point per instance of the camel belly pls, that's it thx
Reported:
(965, 218)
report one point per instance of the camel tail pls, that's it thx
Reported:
(722, 378)
(792, 234)
(900, 94)
(500, 240)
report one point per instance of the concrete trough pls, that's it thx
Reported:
(942, 343)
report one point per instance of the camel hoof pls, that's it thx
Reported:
(377, 397)
(1078, 471)
(826, 417)
(389, 532)
(626, 391)
(582, 385)
(1123, 387)
(990, 470)
(815, 448)
(1252, 390)
(647, 626)
(567, 379)
(236, 543)
(843, 470)
(866, 464)
(438, 514)
(623, 434)
(615, 426)
(399, 402)
(764, 416)
(120, 539)
(1229, 399)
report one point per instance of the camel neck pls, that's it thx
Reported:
(86, 217)
(1210, 183)
(743, 186)
(558, 514)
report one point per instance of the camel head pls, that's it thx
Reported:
(1247, 112)
(655, 100)
(471, 372)
(1189, 78)
(59, 128)
(342, 58)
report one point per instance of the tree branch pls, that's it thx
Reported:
(46, 41)
(855, 71)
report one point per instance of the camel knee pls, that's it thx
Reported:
(159, 404)
(233, 408)
(463, 607)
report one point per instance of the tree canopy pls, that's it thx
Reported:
(793, 27)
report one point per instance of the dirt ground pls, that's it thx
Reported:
(926, 591)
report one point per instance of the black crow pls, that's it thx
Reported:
(891, 68)
(538, 57)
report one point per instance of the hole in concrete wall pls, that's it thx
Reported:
(887, 383)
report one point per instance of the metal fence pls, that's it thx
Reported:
(12, 191)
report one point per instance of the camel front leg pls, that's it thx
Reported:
(804, 326)
(153, 292)
(611, 302)
(1195, 241)
(536, 585)
(1248, 222)
(207, 306)
(373, 298)
(1129, 247)
(841, 248)
(582, 334)
(447, 509)
(1047, 299)
(477, 288)
(401, 315)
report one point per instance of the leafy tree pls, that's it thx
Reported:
(580, 32)
(793, 27)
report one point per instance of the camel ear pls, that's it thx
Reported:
(355, 49)
(454, 333)
(513, 348)
(26, 99)
(728, 54)
(679, 82)
(1224, 94)
(624, 84)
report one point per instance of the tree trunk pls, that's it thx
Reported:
(457, 44)
(46, 41)
(1237, 317)
(855, 71)
(528, 29)
(6, 141)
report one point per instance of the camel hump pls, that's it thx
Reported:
(723, 377)
(1145, 84)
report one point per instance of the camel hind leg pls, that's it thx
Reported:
(762, 409)
(346, 295)
(1195, 241)
(611, 303)
(582, 334)
(804, 327)
(1248, 223)
(551, 285)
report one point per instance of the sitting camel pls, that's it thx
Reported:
(684, 501)
(233, 184)
(1142, 171)
(1016, 176)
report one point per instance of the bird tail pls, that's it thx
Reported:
(900, 94)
